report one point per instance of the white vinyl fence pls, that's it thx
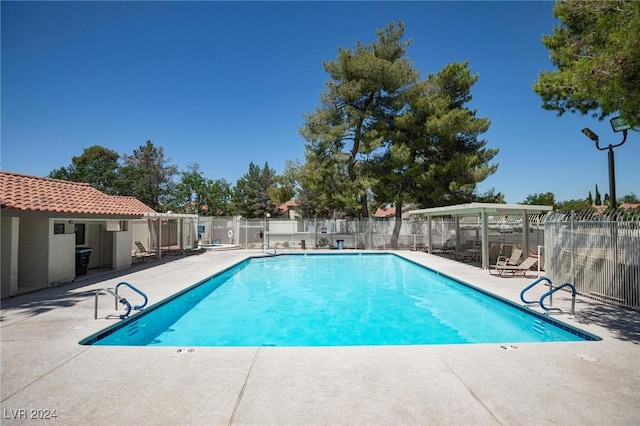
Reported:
(599, 254)
(372, 234)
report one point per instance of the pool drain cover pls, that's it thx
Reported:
(509, 347)
(587, 357)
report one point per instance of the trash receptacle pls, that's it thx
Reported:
(303, 245)
(83, 255)
(340, 244)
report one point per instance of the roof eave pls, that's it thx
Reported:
(477, 208)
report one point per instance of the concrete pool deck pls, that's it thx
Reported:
(44, 368)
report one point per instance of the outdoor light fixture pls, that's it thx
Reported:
(268, 215)
(587, 131)
(618, 125)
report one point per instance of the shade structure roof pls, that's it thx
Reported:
(492, 209)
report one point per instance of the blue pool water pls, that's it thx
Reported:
(332, 300)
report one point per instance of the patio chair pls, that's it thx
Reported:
(514, 259)
(520, 269)
(447, 247)
(141, 254)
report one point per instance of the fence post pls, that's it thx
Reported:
(573, 250)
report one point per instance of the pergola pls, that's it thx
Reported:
(483, 210)
(157, 218)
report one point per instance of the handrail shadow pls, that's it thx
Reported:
(61, 295)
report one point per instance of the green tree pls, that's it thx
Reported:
(285, 185)
(574, 205)
(319, 195)
(97, 166)
(630, 198)
(197, 194)
(590, 199)
(147, 175)
(596, 50)
(251, 197)
(345, 130)
(190, 194)
(325, 188)
(435, 156)
(598, 199)
(542, 199)
(490, 196)
(219, 198)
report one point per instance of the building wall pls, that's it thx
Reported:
(122, 248)
(61, 253)
(9, 227)
(33, 256)
(140, 232)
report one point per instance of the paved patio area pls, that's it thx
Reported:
(45, 370)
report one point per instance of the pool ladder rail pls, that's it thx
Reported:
(549, 294)
(120, 299)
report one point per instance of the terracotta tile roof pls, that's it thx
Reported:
(134, 203)
(622, 206)
(389, 211)
(38, 194)
(385, 212)
(284, 207)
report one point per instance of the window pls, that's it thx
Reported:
(58, 228)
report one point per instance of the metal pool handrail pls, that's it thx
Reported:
(528, 302)
(550, 292)
(118, 299)
(136, 307)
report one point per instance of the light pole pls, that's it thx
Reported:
(618, 125)
(267, 230)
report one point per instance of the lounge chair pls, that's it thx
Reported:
(520, 269)
(141, 254)
(513, 260)
(447, 247)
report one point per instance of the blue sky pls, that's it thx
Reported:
(223, 84)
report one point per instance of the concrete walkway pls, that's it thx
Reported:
(46, 371)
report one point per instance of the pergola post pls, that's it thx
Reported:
(485, 239)
(430, 243)
(525, 234)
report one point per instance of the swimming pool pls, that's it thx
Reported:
(332, 300)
